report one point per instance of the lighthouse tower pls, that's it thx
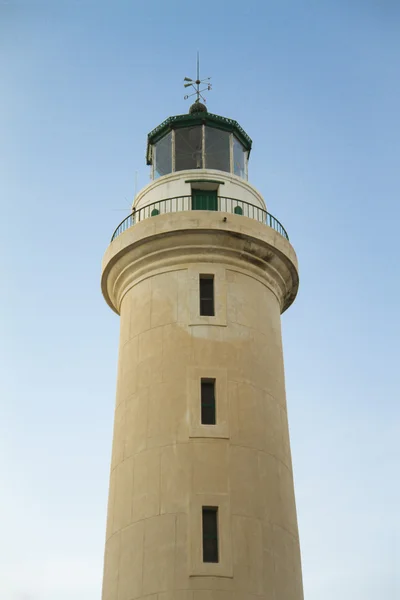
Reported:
(201, 501)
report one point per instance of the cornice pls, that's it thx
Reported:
(174, 243)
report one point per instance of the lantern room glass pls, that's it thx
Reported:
(217, 149)
(199, 147)
(239, 159)
(163, 156)
(188, 148)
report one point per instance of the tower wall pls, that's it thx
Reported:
(179, 184)
(165, 465)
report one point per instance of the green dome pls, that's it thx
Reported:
(197, 107)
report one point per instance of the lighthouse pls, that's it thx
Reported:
(201, 498)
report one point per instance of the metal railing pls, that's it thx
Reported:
(185, 203)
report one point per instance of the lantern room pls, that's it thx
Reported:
(198, 140)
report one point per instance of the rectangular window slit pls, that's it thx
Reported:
(208, 409)
(207, 295)
(210, 534)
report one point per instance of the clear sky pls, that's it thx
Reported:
(316, 86)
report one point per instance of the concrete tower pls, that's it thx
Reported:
(201, 502)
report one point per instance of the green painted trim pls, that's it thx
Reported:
(189, 120)
(204, 180)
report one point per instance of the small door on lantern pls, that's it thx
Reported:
(204, 200)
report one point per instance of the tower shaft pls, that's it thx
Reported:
(201, 502)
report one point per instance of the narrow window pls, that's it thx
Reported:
(208, 412)
(207, 295)
(210, 534)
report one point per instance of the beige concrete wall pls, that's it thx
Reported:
(166, 465)
(174, 184)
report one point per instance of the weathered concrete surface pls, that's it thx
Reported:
(165, 464)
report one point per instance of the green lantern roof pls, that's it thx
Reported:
(196, 118)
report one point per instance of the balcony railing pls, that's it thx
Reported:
(185, 203)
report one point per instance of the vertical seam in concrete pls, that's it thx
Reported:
(147, 394)
(175, 548)
(133, 488)
(151, 300)
(230, 519)
(143, 554)
(119, 558)
(159, 481)
(112, 507)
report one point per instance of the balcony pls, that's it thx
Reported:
(188, 203)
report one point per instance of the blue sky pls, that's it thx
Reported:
(316, 86)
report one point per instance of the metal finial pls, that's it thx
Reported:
(196, 83)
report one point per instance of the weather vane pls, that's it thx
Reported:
(196, 84)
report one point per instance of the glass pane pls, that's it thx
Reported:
(188, 148)
(207, 296)
(239, 157)
(163, 162)
(210, 535)
(217, 149)
(208, 402)
(208, 414)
